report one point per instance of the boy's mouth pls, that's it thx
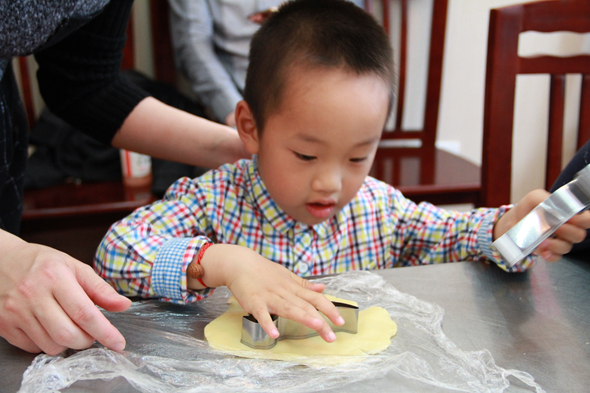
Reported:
(320, 210)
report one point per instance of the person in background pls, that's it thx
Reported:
(47, 298)
(318, 93)
(211, 39)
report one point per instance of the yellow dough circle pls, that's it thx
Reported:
(375, 329)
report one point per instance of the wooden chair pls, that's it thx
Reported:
(423, 172)
(504, 64)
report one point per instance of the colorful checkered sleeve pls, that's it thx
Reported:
(428, 234)
(485, 238)
(147, 253)
(169, 276)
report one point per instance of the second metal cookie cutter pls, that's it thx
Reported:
(545, 219)
(255, 337)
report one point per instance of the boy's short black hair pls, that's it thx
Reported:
(313, 33)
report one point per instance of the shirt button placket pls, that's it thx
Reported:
(303, 251)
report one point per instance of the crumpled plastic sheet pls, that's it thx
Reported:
(166, 352)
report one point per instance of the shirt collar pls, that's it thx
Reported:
(276, 216)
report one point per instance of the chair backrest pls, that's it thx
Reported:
(504, 64)
(426, 135)
(164, 69)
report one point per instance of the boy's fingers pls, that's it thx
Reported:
(324, 305)
(261, 314)
(553, 248)
(318, 300)
(571, 233)
(581, 220)
(306, 315)
(308, 284)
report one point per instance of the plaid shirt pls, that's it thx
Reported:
(147, 253)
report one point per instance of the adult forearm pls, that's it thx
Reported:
(161, 131)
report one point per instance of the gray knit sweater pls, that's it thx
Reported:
(78, 46)
(25, 26)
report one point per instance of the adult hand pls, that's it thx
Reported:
(261, 17)
(230, 119)
(551, 249)
(47, 300)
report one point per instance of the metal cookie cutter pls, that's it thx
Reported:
(545, 219)
(255, 337)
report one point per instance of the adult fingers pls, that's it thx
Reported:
(19, 323)
(19, 339)
(82, 311)
(59, 327)
(32, 337)
(101, 293)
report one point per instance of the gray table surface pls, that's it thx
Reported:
(538, 322)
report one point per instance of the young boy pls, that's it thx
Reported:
(318, 93)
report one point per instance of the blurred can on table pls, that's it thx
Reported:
(136, 168)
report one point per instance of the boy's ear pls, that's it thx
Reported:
(247, 127)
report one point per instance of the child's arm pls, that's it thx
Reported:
(146, 253)
(263, 287)
(426, 234)
(551, 249)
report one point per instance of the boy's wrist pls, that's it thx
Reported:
(195, 270)
(213, 262)
(504, 222)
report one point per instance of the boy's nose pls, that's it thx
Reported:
(327, 181)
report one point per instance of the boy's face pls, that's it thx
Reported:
(318, 147)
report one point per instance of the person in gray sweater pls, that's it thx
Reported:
(47, 298)
(211, 40)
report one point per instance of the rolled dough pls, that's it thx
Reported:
(375, 329)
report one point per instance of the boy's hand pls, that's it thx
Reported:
(551, 249)
(263, 287)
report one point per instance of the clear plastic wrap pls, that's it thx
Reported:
(166, 352)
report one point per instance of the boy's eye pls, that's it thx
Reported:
(358, 159)
(304, 157)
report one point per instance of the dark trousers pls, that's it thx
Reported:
(13, 152)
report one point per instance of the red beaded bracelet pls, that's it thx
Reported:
(195, 269)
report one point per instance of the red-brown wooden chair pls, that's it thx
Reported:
(424, 172)
(504, 64)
